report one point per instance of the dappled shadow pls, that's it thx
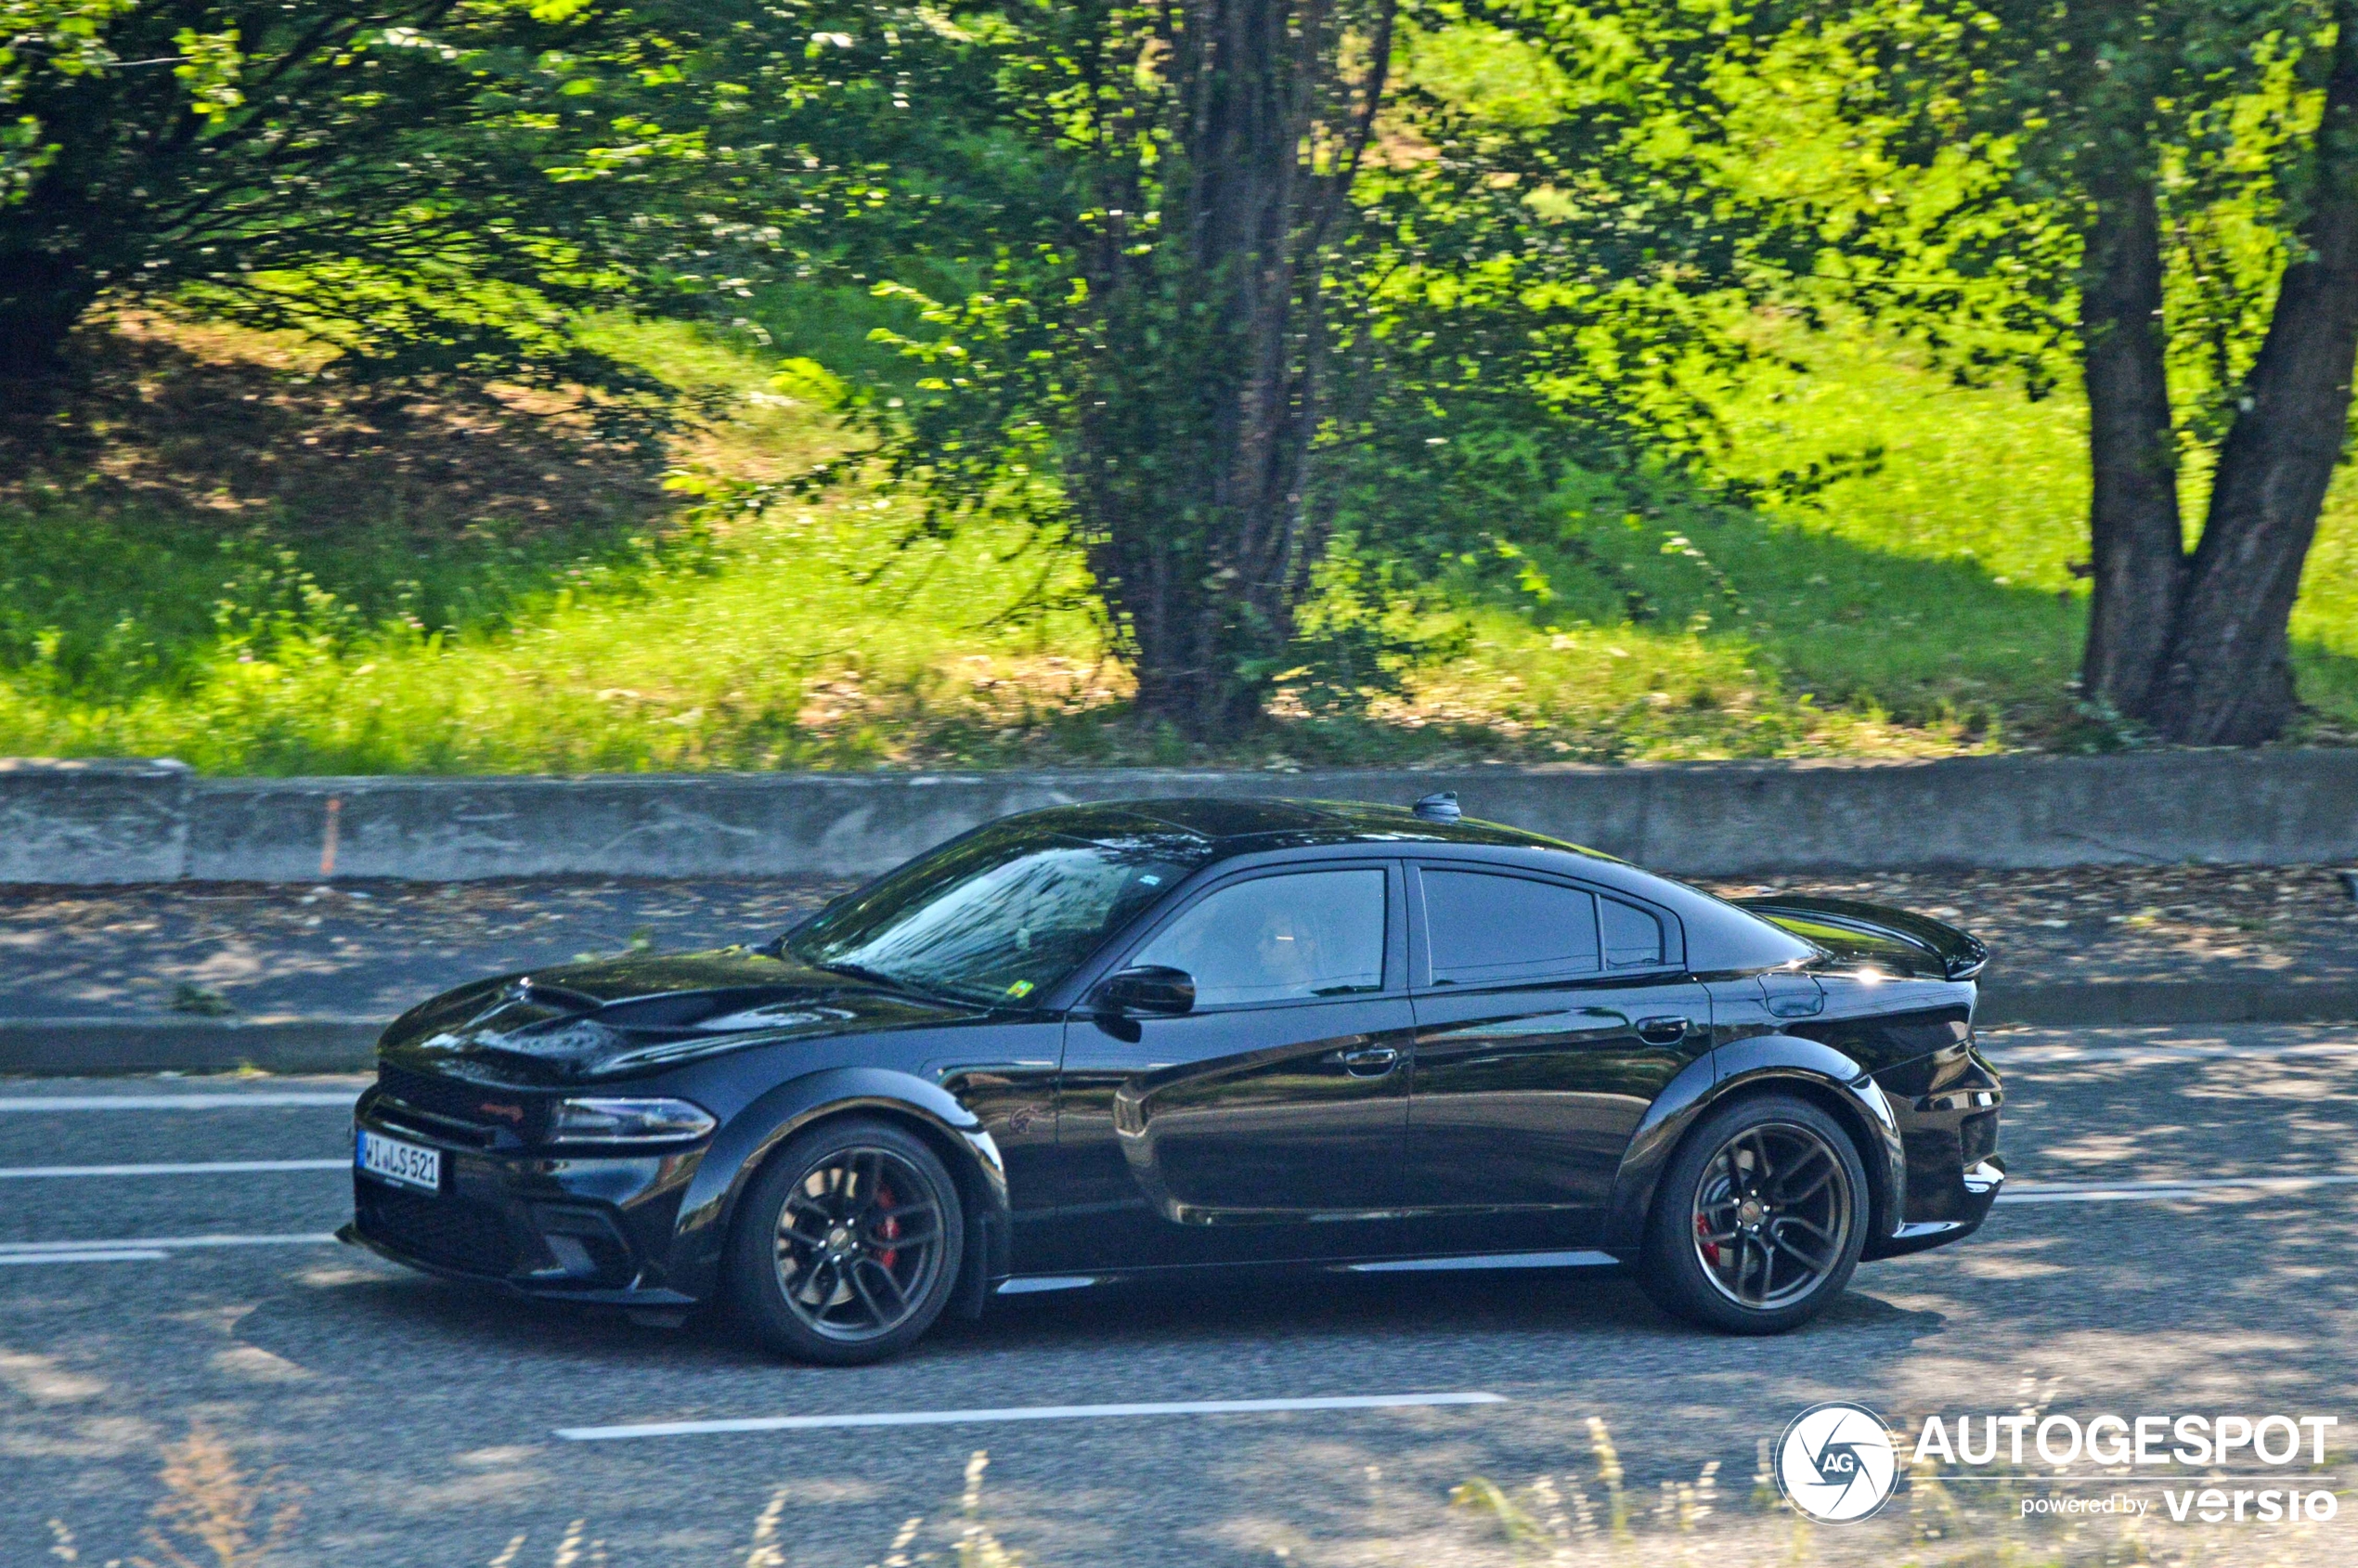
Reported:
(1930, 643)
(197, 495)
(230, 428)
(1593, 1306)
(356, 947)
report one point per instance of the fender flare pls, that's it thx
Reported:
(1761, 1059)
(736, 1153)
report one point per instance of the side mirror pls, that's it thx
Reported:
(1152, 988)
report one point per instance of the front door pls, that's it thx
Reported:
(1548, 1018)
(1268, 1123)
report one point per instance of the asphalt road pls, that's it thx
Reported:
(349, 950)
(410, 1422)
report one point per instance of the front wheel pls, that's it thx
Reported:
(849, 1245)
(1759, 1219)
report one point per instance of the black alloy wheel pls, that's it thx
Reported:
(849, 1244)
(1772, 1195)
(1759, 1219)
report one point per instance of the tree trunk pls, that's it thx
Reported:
(1191, 477)
(42, 295)
(2226, 679)
(2136, 542)
(1248, 213)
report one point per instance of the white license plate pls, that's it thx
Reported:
(390, 1159)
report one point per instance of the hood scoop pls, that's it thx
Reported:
(522, 1005)
(540, 1020)
(596, 1020)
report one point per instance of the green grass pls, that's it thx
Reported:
(297, 644)
(1974, 515)
(567, 618)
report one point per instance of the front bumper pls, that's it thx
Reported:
(635, 1296)
(590, 1228)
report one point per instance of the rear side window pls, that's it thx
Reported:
(1482, 928)
(1279, 938)
(1633, 937)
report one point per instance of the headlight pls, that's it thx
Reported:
(628, 1121)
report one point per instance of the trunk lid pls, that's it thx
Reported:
(1859, 933)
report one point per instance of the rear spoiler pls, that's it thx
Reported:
(1850, 930)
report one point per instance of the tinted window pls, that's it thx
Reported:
(1317, 933)
(998, 916)
(1481, 928)
(1633, 937)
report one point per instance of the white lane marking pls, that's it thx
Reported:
(2022, 1057)
(117, 1256)
(198, 1167)
(1023, 1413)
(260, 1099)
(21, 1251)
(2156, 1192)
(1487, 1260)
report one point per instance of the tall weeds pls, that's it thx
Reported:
(214, 1514)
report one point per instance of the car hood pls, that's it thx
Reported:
(615, 1017)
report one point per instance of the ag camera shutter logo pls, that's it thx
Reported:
(1836, 1463)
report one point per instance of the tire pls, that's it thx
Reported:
(1759, 1219)
(849, 1244)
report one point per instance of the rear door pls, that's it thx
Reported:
(1266, 1124)
(1550, 1014)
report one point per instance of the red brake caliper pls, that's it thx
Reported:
(1710, 1249)
(890, 1228)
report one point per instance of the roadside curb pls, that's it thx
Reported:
(2098, 1003)
(97, 1047)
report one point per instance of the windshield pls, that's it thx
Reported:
(999, 916)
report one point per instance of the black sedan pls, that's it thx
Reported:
(1096, 1042)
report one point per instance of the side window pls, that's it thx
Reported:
(1483, 928)
(1274, 938)
(1633, 937)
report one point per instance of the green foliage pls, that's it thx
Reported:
(430, 186)
(1931, 166)
(1920, 611)
(1657, 376)
(1512, 278)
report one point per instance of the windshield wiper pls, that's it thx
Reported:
(876, 976)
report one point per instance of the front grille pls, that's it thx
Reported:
(456, 1106)
(448, 1231)
(1977, 1137)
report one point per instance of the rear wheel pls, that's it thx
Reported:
(1759, 1219)
(849, 1245)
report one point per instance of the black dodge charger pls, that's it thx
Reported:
(1094, 1042)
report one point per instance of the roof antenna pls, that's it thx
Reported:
(1441, 808)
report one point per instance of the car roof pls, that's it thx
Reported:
(1230, 827)
(1719, 937)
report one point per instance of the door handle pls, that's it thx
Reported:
(1661, 1032)
(1373, 1062)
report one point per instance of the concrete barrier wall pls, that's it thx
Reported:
(145, 822)
(92, 822)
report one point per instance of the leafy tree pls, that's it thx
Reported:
(1148, 354)
(1205, 283)
(2167, 191)
(432, 184)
